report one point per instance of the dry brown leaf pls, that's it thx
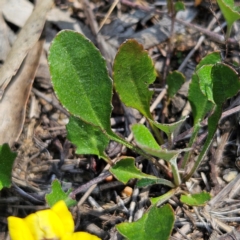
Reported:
(26, 39)
(5, 45)
(13, 104)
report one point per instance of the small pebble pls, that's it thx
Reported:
(230, 175)
(127, 192)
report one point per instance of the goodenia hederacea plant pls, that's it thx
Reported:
(80, 78)
(146, 228)
(133, 71)
(174, 81)
(58, 194)
(211, 58)
(230, 13)
(87, 138)
(7, 158)
(225, 84)
(125, 169)
(197, 199)
(147, 143)
(81, 81)
(169, 129)
(198, 95)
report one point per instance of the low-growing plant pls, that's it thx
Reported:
(81, 82)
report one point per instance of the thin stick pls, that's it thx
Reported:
(108, 14)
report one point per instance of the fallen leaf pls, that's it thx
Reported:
(13, 104)
(26, 39)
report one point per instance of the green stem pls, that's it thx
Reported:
(176, 175)
(156, 133)
(162, 199)
(122, 141)
(212, 127)
(192, 140)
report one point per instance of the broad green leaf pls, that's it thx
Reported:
(144, 182)
(7, 158)
(143, 137)
(229, 12)
(125, 169)
(211, 58)
(133, 71)
(225, 83)
(174, 81)
(157, 223)
(58, 194)
(199, 102)
(205, 81)
(169, 128)
(88, 139)
(80, 78)
(179, 6)
(198, 199)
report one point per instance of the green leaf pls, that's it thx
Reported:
(225, 82)
(7, 158)
(158, 201)
(58, 194)
(155, 224)
(81, 82)
(143, 136)
(198, 199)
(225, 85)
(169, 128)
(165, 154)
(88, 139)
(125, 169)
(80, 78)
(147, 143)
(174, 80)
(133, 71)
(205, 81)
(211, 58)
(179, 6)
(199, 102)
(229, 12)
(144, 182)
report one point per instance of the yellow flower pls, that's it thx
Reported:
(55, 224)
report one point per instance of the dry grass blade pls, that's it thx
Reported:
(26, 39)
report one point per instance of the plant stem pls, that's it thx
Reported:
(162, 199)
(192, 140)
(156, 133)
(120, 140)
(212, 123)
(176, 175)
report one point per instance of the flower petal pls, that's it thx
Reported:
(45, 224)
(65, 215)
(18, 229)
(80, 235)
